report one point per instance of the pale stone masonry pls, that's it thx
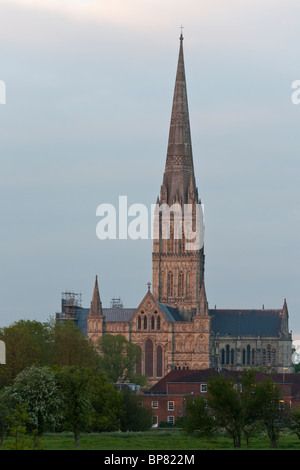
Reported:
(173, 325)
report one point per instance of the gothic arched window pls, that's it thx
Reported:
(139, 323)
(181, 284)
(158, 323)
(188, 285)
(244, 356)
(248, 354)
(232, 356)
(269, 354)
(152, 323)
(170, 284)
(149, 358)
(223, 356)
(253, 357)
(145, 323)
(159, 361)
(227, 354)
(264, 356)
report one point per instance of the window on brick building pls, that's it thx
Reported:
(154, 421)
(170, 405)
(154, 404)
(171, 419)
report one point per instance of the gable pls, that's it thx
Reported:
(149, 305)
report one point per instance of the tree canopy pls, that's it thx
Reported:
(119, 358)
(239, 408)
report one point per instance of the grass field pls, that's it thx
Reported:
(158, 440)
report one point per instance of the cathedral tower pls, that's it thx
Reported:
(178, 269)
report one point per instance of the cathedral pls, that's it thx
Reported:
(173, 324)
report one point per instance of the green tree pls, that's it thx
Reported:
(198, 419)
(224, 399)
(233, 406)
(75, 387)
(19, 421)
(136, 417)
(27, 343)
(71, 347)
(6, 409)
(119, 358)
(36, 388)
(250, 404)
(294, 423)
(271, 409)
(246, 407)
(107, 404)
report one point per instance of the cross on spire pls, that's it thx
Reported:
(181, 28)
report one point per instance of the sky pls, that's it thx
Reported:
(89, 87)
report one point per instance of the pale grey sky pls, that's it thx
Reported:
(89, 94)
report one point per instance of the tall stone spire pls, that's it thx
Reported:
(179, 169)
(177, 268)
(96, 304)
(202, 309)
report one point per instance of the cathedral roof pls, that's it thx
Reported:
(124, 314)
(118, 314)
(171, 313)
(261, 322)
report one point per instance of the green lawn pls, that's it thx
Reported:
(157, 440)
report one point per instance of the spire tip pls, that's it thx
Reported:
(181, 35)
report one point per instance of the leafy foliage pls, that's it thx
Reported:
(240, 409)
(36, 388)
(119, 358)
(136, 417)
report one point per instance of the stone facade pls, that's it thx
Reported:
(172, 325)
(165, 339)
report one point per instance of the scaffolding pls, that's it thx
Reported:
(116, 303)
(70, 306)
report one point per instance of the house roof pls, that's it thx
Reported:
(246, 322)
(202, 376)
(188, 376)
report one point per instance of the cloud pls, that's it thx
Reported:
(212, 22)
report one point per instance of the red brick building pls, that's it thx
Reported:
(167, 398)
